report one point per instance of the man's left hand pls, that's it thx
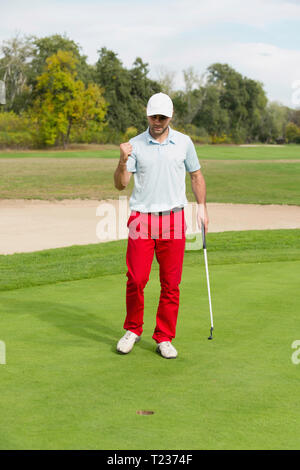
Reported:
(202, 217)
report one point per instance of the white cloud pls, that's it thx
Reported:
(277, 68)
(134, 18)
(157, 31)
(184, 13)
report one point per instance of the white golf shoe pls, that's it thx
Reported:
(166, 350)
(127, 342)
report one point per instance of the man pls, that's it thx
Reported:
(158, 158)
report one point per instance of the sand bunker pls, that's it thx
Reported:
(31, 225)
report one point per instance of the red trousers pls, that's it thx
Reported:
(163, 235)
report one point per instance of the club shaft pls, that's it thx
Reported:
(208, 287)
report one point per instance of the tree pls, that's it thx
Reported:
(166, 80)
(114, 78)
(232, 93)
(142, 88)
(212, 116)
(180, 108)
(294, 116)
(47, 46)
(14, 69)
(256, 102)
(194, 93)
(63, 101)
(292, 132)
(274, 121)
(126, 91)
(243, 98)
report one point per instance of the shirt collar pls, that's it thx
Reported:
(170, 138)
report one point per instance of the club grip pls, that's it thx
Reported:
(203, 235)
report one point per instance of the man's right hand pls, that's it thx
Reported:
(121, 175)
(125, 151)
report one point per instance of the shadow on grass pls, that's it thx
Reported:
(72, 320)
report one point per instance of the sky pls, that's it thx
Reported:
(260, 38)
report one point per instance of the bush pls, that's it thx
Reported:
(17, 131)
(23, 139)
(92, 135)
(222, 139)
(239, 136)
(11, 122)
(292, 132)
(130, 133)
(198, 134)
(199, 140)
(109, 136)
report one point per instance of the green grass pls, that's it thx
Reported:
(46, 178)
(65, 387)
(261, 182)
(235, 152)
(90, 261)
(113, 153)
(251, 182)
(211, 152)
(62, 310)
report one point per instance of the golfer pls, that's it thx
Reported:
(158, 158)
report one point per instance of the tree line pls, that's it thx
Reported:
(53, 96)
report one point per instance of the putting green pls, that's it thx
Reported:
(64, 387)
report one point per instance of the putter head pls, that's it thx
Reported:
(211, 333)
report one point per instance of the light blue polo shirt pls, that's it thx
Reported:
(159, 171)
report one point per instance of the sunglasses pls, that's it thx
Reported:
(159, 117)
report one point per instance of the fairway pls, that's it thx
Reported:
(230, 181)
(213, 152)
(65, 387)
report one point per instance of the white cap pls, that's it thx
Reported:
(160, 103)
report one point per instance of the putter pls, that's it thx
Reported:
(208, 285)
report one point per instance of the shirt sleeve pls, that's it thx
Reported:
(131, 162)
(191, 159)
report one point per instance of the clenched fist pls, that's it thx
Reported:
(125, 151)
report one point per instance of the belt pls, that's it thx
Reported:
(175, 209)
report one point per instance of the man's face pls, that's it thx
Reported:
(158, 124)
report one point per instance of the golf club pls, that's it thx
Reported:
(207, 278)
